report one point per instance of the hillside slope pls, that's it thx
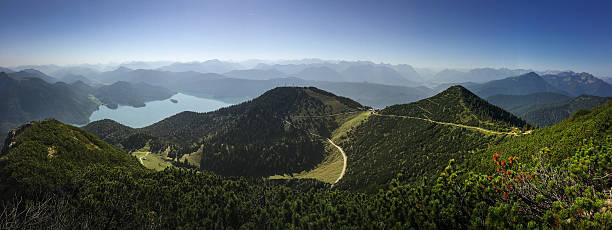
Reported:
(402, 141)
(48, 154)
(559, 142)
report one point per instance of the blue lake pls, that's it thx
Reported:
(155, 111)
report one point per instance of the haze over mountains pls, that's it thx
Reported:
(371, 84)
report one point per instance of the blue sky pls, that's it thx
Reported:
(565, 35)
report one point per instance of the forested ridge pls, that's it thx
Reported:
(63, 178)
(387, 145)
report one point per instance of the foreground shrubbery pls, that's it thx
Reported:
(514, 196)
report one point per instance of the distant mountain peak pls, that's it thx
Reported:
(579, 83)
(530, 74)
(122, 69)
(31, 71)
(458, 90)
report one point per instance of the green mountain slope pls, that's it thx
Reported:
(48, 154)
(411, 140)
(459, 105)
(275, 133)
(584, 131)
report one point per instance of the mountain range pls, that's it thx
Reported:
(567, 83)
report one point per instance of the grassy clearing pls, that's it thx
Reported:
(151, 161)
(340, 133)
(327, 171)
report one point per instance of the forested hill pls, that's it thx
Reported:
(273, 134)
(133, 94)
(460, 106)
(415, 141)
(47, 155)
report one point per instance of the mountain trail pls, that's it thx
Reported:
(345, 158)
(458, 125)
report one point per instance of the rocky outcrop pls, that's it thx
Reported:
(10, 141)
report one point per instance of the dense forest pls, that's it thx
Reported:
(57, 176)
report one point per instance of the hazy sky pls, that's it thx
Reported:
(575, 35)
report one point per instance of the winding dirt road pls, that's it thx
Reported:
(343, 156)
(337, 147)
